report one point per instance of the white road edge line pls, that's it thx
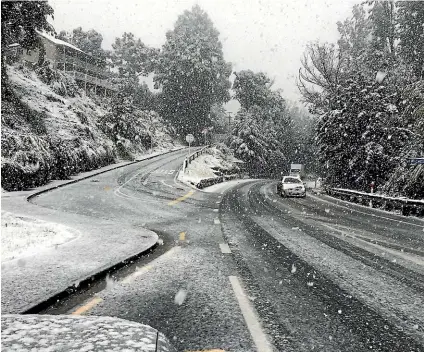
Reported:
(164, 183)
(225, 249)
(118, 190)
(405, 256)
(252, 322)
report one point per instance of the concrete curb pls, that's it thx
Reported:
(85, 283)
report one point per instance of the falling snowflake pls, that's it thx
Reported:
(180, 297)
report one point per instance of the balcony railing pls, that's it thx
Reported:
(92, 80)
(84, 65)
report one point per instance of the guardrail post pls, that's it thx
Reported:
(372, 192)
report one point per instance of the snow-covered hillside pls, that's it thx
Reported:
(51, 129)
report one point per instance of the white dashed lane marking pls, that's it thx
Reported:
(250, 317)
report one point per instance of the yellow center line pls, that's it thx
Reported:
(141, 271)
(176, 201)
(182, 236)
(86, 307)
(136, 274)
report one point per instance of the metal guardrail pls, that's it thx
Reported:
(207, 181)
(405, 205)
(193, 156)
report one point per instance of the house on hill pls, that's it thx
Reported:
(86, 69)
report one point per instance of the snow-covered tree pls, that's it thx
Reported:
(20, 21)
(191, 72)
(410, 19)
(219, 118)
(262, 136)
(361, 89)
(408, 180)
(251, 88)
(254, 140)
(88, 41)
(131, 57)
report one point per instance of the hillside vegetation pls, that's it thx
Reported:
(51, 129)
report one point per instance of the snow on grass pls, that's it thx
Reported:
(25, 236)
(69, 117)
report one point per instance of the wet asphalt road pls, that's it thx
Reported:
(321, 274)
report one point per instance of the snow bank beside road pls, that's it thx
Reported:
(25, 236)
(216, 163)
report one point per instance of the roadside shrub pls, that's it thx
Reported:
(60, 82)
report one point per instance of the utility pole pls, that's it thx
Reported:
(229, 123)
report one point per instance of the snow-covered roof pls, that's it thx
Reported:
(58, 41)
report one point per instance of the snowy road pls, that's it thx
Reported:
(328, 275)
(244, 268)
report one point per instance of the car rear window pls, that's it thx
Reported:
(291, 180)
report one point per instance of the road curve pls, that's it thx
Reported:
(313, 274)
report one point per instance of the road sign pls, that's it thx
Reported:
(416, 161)
(190, 138)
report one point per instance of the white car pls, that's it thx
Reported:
(291, 186)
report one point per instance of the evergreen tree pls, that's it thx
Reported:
(132, 57)
(254, 140)
(192, 72)
(20, 21)
(251, 88)
(262, 136)
(410, 19)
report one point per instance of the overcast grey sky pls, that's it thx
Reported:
(261, 35)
